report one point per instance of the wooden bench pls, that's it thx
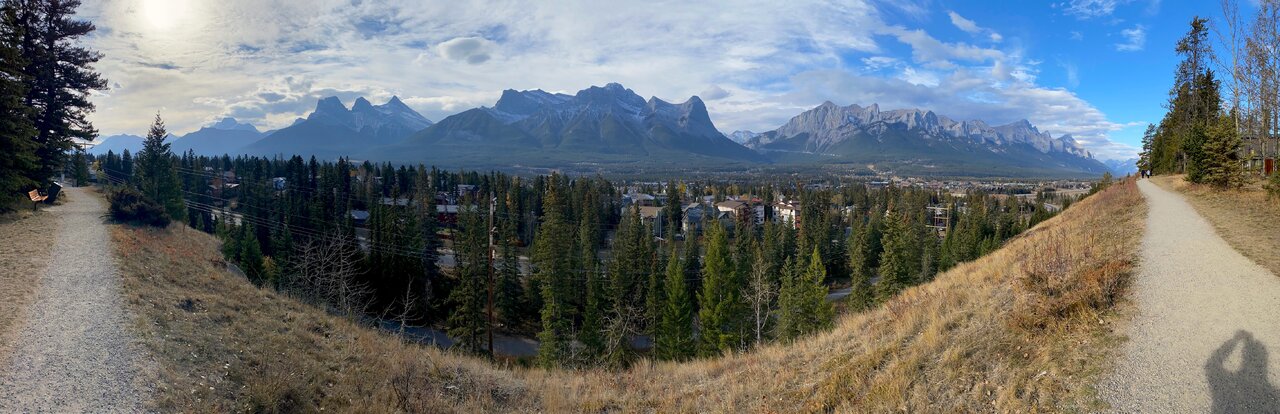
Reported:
(36, 198)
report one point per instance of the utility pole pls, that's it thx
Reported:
(493, 202)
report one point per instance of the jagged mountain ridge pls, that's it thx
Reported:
(829, 125)
(609, 120)
(333, 130)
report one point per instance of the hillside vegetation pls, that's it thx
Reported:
(1026, 328)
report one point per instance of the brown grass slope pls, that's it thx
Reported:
(1023, 329)
(26, 244)
(1243, 217)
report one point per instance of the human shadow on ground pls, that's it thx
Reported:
(1247, 389)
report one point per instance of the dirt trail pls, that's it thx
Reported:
(1205, 322)
(75, 352)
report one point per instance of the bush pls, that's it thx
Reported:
(128, 205)
(1273, 186)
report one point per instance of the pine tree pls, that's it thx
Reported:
(554, 271)
(654, 291)
(469, 320)
(673, 211)
(674, 337)
(860, 272)
(60, 78)
(157, 177)
(80, 167)
(250, 254)
(591, 334)
(126, 166)
(1221, 163)
(18, 167)
(720, 310)
(802, 303)
(898, 262)
(510, 293)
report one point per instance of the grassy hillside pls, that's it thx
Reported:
(1026, 328)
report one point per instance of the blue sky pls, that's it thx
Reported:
(1097, 69)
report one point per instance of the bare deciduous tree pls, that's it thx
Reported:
(759, 293)
(325, 272)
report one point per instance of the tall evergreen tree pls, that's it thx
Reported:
(510, 293)
(720, 312)
(802, 305)
(157, 175)
(250, 254)
(469, 321)
(860, 272)
(591, 334)
(60, 77)
(554, 270)
(1221, 162)
(673, 211)
(19, 166)
(80, 167)
(674, 337)
(898, 262)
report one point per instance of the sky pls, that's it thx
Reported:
(1096, 69)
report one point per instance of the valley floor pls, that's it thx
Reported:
(1026, 328)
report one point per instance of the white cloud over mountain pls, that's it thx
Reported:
(757, 63)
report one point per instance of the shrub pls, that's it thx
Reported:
(1273, 186)
(128, 205)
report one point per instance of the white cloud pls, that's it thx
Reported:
(1134, 39)
(473, 50)
(920, 77)
(877, 63)
(964, 24)
(971, 27)
(713, 93)
(1076, 35)
(1089, 9)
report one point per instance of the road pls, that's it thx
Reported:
(75, 352)
(1203, 325)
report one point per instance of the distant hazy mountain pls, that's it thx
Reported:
(741, 137)
(609, 123)
(923, 142)
(333, 130)
(117, 144)
(226, 136)
(1122, 167)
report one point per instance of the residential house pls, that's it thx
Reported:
(784, 212)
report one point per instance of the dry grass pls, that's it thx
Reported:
(26, 245)
(1244, 217)
(1024, 329)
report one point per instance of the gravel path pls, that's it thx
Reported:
(75, 352)
(1206, 319)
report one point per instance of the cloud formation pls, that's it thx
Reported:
(755, 62)
(1135, 39)
(473, 50)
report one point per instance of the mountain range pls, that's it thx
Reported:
(332, 130)
(921, 141)
(610, 126)
(596, 124)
